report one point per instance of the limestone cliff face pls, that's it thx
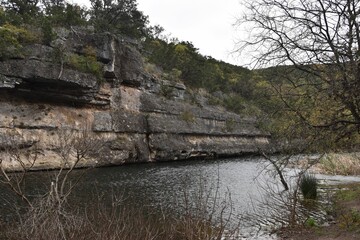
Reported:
(42, 95)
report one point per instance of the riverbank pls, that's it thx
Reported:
(344, 210)
(345, 215)
(164, 189)
(345, 164)
(159, 187)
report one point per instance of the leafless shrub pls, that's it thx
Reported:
(25, 160)
(205, 214)
(202, 217)
(47, 216)
(73, 148)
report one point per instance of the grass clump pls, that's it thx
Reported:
(187, 116)
(85, 63)
(310, 222)
(230, 125)
(174, 75)
(166, 91)
(308, 187)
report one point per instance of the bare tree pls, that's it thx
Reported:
(47, 214)
(74, 147)
(320, 40)
(23, 158)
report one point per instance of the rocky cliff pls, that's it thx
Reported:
(95, 84)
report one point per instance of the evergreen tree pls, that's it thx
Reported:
(20, 11)
(121, 16)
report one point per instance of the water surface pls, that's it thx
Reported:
(165, 185)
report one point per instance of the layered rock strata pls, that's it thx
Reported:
(49, 106)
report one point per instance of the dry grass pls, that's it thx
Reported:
(331, 163)
(118, 221)
(340, 164)
(200, 214)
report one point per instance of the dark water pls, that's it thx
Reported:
(164, 185)
(157, 184)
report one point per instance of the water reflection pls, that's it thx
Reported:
(158, 184)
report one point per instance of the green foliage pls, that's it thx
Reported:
(214, 101)
(234, 103)
(347, 195)
(166, 91)
(2, 16)
(85, 63)
(174, 75)
(34, 12)
(74, 15)
(230, 124)
(308, 186)
(20, 11)
(58, 54)
(310, 222)
(199, 71)
(82, 63)
(346, 202)
(351, 193)
(47, 31)
(121, 16)
(350, 219)
(60, 13)
(12, 39)
(237, 85)
(294, 109)
(187, 116)
(153, 70)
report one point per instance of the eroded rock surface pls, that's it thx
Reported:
(120, 117)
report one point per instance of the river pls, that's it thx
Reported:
(163, 185)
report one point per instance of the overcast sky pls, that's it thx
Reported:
(205, 23)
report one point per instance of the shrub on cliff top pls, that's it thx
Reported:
(12, 39)
(85, 63)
